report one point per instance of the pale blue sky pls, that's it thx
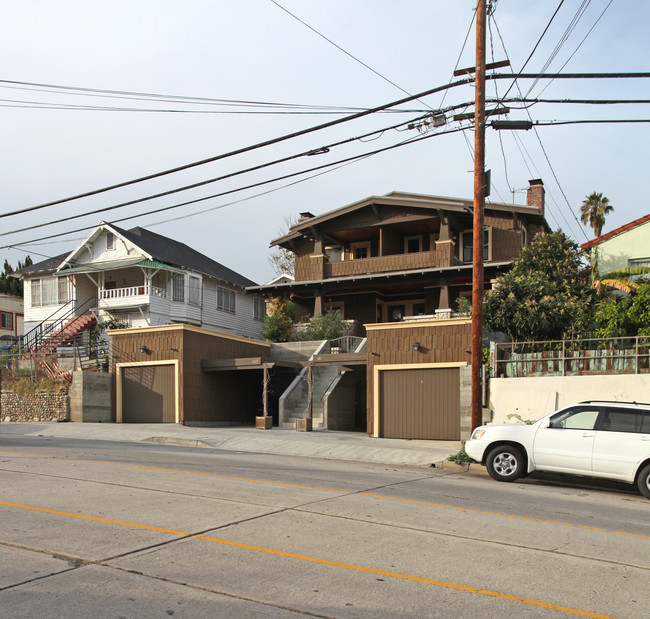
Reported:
(252, 50)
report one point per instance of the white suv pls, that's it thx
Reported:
(599, 439)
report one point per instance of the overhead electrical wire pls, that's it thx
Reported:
(316, 151)
(239, 151)
(250, 186)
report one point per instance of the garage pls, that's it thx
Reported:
(420, 403)
(147, 393)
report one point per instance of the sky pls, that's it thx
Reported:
(322, 61)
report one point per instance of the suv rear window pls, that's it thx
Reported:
(623, 420)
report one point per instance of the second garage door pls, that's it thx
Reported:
(420, 403)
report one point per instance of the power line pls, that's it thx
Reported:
(320, 34)
(245, 149)
(251, 186)
(321, 150)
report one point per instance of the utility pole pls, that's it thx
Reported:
(479, 205)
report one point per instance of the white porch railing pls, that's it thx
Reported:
(132, 291)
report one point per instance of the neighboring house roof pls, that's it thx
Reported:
(604, 237)
(158, 248)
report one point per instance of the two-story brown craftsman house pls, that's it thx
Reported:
(387, 258)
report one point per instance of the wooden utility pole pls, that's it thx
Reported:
(479, 205)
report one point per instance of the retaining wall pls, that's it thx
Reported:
(36, 406)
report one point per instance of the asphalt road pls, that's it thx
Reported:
(94, 529)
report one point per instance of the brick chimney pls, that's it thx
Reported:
(535, 194)
(307, 215)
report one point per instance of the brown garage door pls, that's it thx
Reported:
(148, 394)
(422, 404)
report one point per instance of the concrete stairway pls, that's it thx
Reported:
(296, 405)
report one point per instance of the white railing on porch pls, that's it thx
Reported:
(132, 291)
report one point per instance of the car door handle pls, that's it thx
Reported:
(588, 434)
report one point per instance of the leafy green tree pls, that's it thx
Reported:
(546, 295)
(278, 325)
(618, 316)
(13, 285)
(593, 211)
(327, 326)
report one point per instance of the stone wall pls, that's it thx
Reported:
(36, 406)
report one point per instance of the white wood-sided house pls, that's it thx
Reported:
(142, 279)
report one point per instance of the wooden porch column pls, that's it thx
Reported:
(444, 295)
(318, 303)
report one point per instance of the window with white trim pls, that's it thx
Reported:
(639, 262)
(360, 251)
(467, 246)
(49, 291)
(195, 290)
(110, 241)
(6, 320)
(259, 309)
(225, 300)
(413, 244)
(178, 288)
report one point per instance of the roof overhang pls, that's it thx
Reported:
(393, 275)
(245, 363)
(114, 265)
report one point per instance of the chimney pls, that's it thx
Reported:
(307, 215)
(535, 194)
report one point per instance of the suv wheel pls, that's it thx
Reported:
(643, 481)
(506, 463)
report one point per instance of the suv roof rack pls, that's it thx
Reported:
(614, 402)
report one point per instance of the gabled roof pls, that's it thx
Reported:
(402, 198)
(167, 250)
(156, 248)
(604, 237)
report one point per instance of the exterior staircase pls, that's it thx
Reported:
(65, 335)
(296, 406)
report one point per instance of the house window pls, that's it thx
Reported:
(6, 321)
(110, 241)
(178, 288)
(334, 253)
(639, 262)
(225, 300)
(412, 244)
(62, 289)
(335, 307)
(49, 291)
(195, 291)
(259, 309)
(468, 245)
(360, 250)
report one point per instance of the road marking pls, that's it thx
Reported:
(380, 496)
(317, 560)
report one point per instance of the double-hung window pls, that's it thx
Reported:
(195, 290)
(178, 288)
(6, 321)
(225, 300)
(259, 309)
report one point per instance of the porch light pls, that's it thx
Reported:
(144, 350)
(416, 347)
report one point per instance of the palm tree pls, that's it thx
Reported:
(593, 211)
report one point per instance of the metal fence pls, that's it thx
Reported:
(623, 355)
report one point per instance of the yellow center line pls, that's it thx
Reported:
(380, 496)
(317, 560)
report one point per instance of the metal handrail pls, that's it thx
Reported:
(33, 339)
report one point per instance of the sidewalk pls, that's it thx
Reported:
(325, 444)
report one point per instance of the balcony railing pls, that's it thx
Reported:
(132, 291)
(437, 258)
